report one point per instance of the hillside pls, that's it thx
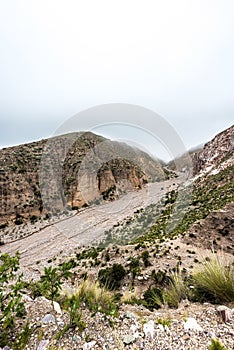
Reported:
(153, 269)
(215, 153)
(52, 166)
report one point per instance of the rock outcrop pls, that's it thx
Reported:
(218, 150)
(69, 171)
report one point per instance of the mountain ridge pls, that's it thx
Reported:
(24, 170)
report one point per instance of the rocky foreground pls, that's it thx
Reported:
(191, 326)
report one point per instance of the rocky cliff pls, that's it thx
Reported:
(218, 150)
(69, 171)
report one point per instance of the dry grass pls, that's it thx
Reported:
(95, 297)
(215, 279)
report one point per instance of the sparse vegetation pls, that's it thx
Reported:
(166, 321)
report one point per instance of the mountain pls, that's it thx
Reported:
(140, 265)
(68, 172)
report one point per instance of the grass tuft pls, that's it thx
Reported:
(214, 281)
(216, 345)
(176, 290)
(96, 298)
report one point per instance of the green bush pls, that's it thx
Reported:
(160, 278)
(52, 279)
(153, 298)
(11, 289)
(134, 267)
(111, 277)
(145, 258)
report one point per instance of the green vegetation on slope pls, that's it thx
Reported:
(152, 223)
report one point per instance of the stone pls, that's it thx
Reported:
(48, 319)
(134, 331)
(160, 326)
(140, 345)
(225, 313)
(129, 314)
(148, 329)
(186, 337)
(76, 338)
(57, 307)
(89, 345)
(191, 324)
(43, 345)
(128, 339)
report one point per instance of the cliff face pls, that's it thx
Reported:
(71, 170)
(215, 155)
(218, 150)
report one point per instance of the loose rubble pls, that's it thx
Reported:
(192, 326)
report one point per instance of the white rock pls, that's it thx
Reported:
(192, 324)
(160, 326)
(148, 329)
(167, 329)
(90, 345)
(43, 345)
(134, 331)
(225, 313)
(57, 307)
(48, 319)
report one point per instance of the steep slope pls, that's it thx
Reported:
(54, 166)
(208, 214)
(218, 150)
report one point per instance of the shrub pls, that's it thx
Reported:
(33, 219)
(11, 305)
(134, 267)
(111, 277)
(2, 226)
(35, 288)
(153, 298)
(214, 281)
(160, 278)
(72, 305)
(145, 258)
(19, 221)
(52, 280)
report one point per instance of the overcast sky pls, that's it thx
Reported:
(58, 58)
